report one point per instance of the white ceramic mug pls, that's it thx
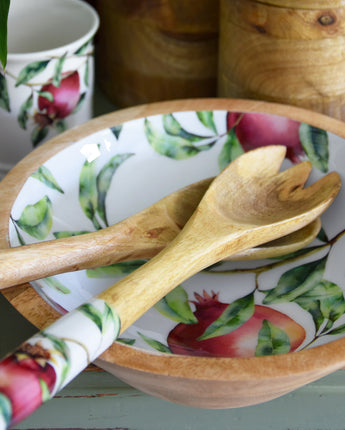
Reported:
(47, 85)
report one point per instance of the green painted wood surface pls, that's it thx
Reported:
(98, 400)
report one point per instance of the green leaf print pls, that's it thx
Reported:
(30, 71)
(126, 341)
(56, 285)
(175, 147)
(231, 150)
(86, 74)
(4, 97)
(38, 134)
(173, 127)
(296, 281)
(24, 110)
(83, 49)
(80, 103)
(37, 219)
(19, 236)
(206, 117)
(5, 408)
(58, 70)
(104, 179)
(116, 269)
(88, 195)
(44, 390)
(116, 130)
(236, 314)
(325, 302)
(93, 314)
(44, 175)
(338, 330)
(46, 94)
(64, 234)
(61, 347)
(4, 8)
(103, 320)
(60, 126)
(315, 144)
(155, 344)
(175, 306)
(272, 340)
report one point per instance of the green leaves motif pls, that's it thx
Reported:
(232, 149)
(117, 269)
(175, 306)
(93, 188)
(23, 115)
(36, 220)
(155, 344)
(296, 282)
(236, 314)
(174, 141)
(30, 71)
(206, 118)
(272, 340)
(4, 9)
(4, 98)
(44, 175)
(5, 408)
(315, 144)
(58, 70)
(102, 320)
(325, 302)
(56, 285)
(305, 286)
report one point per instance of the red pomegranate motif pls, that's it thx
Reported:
(254, 130)
(65, 97)
(241, 342)
(21, 377)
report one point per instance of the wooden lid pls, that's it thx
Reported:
(304, 4)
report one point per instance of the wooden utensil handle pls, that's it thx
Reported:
(121, 242)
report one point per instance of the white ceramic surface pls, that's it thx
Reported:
(47, 86)
(282, 305)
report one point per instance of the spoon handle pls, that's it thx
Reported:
(120, 242)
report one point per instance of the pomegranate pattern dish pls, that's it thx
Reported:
(52, 91)
(232, 309)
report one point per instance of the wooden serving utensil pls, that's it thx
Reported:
(140, 236)
(248, 204)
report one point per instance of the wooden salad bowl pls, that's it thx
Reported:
(206, 382)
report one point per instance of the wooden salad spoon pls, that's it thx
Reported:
(140, 236)
(248, 204)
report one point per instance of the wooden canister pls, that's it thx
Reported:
(152, 50)
(285, 51)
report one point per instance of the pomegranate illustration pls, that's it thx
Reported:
(254, 130)
(64, 98)
(242, 342)
(26, 369)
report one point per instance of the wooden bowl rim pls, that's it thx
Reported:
(314, 362)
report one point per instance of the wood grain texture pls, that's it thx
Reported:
(283, 53)
(140, 236)
(249, 203)
(157, 50)
(241, 379)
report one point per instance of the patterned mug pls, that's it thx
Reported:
(47, 85)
